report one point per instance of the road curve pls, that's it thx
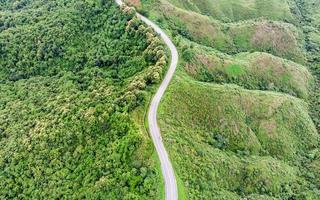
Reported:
(166, 166)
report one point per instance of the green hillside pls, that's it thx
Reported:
(241, 118)
(235, 10)
(255, 34)
(231, 143)
(256, 70)
(71, 74)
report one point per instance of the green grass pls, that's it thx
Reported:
(237, 10)
(251, 70)
(276, 37)
(161, 188)
(234, 70)
(181, 187)
(229, 141)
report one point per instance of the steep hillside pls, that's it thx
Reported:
(235, 10)
(256, 70)
(276, 37)
(241, 118)
(231, 143)
(72, 73)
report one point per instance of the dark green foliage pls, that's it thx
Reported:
(54, 41)
(308, 13)
(67, 69)
(178, 28)
(188, 53)
(221, 141)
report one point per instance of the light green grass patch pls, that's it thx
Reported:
(235, 70)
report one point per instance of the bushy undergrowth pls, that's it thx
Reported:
(71, 72)
(309, 16)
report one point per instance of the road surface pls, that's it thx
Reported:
(166, 166)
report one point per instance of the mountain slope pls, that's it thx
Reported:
(72, 76)
(229, 142)
(238, 10)
(241, 119)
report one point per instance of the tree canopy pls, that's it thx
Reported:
(71, 72)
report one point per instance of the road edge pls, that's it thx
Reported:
(171, 189)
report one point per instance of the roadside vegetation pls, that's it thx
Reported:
(72, 76)
(257, 34)
(231, 143)
(241, 118)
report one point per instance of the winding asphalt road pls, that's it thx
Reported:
(166, 166)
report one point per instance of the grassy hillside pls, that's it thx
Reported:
(276, 37)
(241, 118)
(251, 70)
(71, 74)
(235, 10)
(231, 143)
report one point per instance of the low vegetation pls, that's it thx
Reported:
(231, 143)
(259, 71)
(275, 37)
(241, 118)
(235, 10)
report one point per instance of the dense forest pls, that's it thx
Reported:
(71, 72)
(308, 14)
